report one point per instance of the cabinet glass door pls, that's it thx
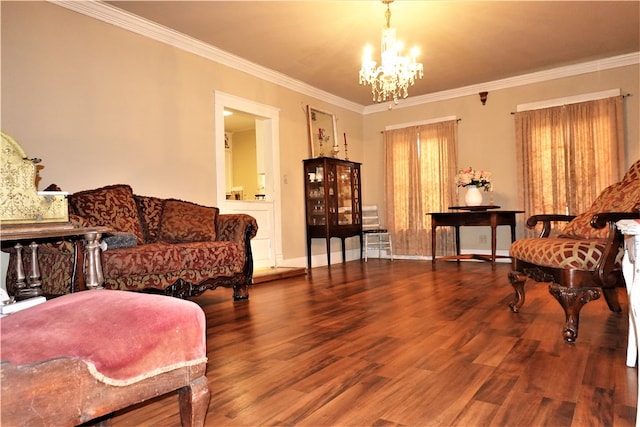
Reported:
(315, 195)
(345, 197)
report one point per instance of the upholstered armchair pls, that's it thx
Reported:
(585, 259)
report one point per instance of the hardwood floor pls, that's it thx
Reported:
(396, 343)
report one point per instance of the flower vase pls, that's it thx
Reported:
(473, 197)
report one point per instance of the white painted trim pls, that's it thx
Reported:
(568, 100)
(272, 150)
(128, 21)
(421, 122)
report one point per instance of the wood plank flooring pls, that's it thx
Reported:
(400, 344)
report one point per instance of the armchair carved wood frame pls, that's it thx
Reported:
(585, 260)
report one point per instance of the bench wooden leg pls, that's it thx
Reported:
(194, 402)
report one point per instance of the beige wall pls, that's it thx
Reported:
(101, 105)
(486, 134)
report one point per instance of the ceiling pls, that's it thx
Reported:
(462, 43)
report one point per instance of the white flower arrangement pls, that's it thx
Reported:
(476, 177)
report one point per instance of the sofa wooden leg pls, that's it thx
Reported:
(240, 292)
(572, 300)
(517, 280)
(194, 402)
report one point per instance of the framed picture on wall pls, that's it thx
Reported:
(323, 140)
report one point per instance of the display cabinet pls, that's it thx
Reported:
(332, 201)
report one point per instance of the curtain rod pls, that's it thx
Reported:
(623, 96)
(457, 121)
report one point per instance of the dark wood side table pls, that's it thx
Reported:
(31, 286)
(468, 217)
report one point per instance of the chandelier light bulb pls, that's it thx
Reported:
(367, 57)
(392, 78)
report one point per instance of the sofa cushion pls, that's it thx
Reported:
(123, 336)
(620, 197)
(150, 210)
(152, 258)
(111, 206)
(183, 222)
(560, 252)
(203, 255)
(633, 174)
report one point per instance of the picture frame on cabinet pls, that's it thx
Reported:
(323, 135)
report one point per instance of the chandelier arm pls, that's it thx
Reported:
(387, 15)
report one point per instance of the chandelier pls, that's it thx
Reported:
(392, 78)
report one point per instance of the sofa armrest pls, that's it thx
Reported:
(236, 227)
(546, 220)
(600, 220)
(609, 265)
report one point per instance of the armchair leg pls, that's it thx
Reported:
(517, 280)
(572, 300)
(194, 402)
(611, 297)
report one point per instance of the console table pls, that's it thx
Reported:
(470, 217)
(31, 285)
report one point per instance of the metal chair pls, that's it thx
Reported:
(374, 235)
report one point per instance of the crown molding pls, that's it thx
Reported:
(525, 79)
(128, 21)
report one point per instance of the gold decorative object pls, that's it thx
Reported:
(20, 201)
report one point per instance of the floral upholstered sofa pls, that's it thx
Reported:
(164, 245)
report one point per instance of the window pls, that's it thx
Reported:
(569, 154)
(420, 167)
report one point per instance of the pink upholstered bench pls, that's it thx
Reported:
(85, 355)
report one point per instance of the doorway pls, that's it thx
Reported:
(261, 200)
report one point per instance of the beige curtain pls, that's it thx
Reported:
(568, 155)
(420, 168)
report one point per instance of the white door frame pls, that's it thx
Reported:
(271, 128)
